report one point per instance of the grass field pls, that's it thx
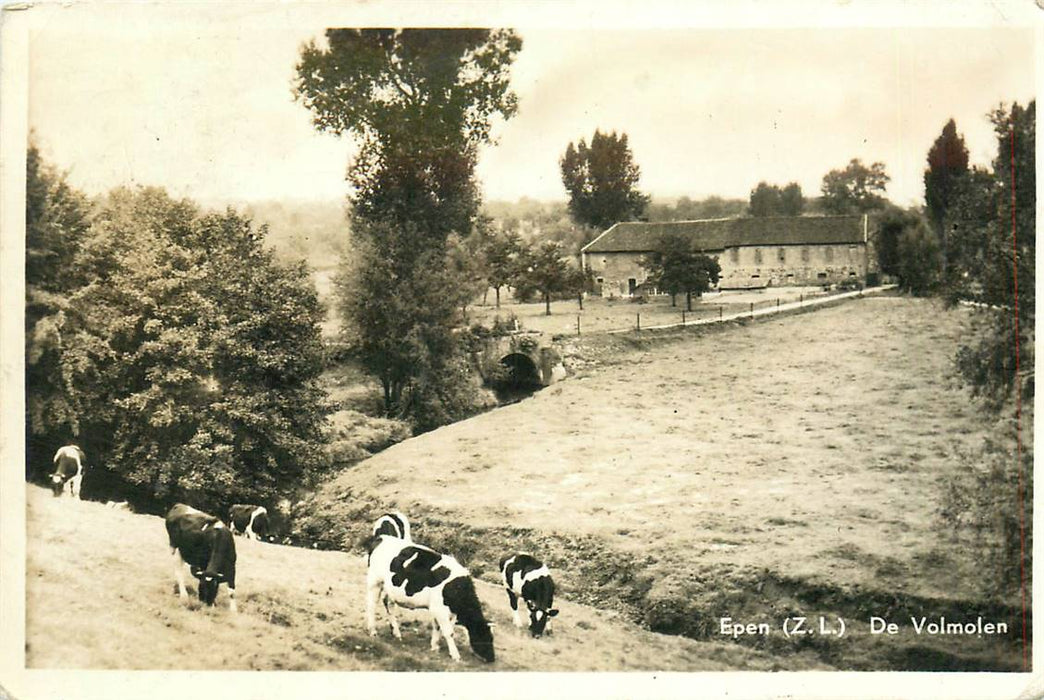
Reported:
(100, 595)
(792, 464)
(756, 471)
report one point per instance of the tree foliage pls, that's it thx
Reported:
(189, 356)
(675, 267)
(891, 224)
(771, 200)
(947, 165)
(56, 222)
(918, 259)
(855, 189)
(990, 223)
(991, 226)
(602, 181)
(544, 268)
(501, 253)
(419, 103)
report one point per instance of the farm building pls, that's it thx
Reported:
(753, 252)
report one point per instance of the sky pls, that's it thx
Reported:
(205, 108)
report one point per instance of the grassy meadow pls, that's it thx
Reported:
(101, 595)
(794, 465)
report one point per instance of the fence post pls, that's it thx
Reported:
(683, 317)
(777, 302)
(752, 309)
(802, 299)
(720, 309)
(578, 324)
(639, 320)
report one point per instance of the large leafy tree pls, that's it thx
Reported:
(791, 200)
(947, 165)
(854, 189)
(419, 104)
(500, 252)
(545, 269)
(676, 267)
(917, 251)
(56, 222)
(191, 356)
(602, 181)
(992, 229)
(771, 200)
(892, 223)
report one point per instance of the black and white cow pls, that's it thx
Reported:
(527, 578)
(69, 463)
(393, 524)
(207, 546)
(414, 576)
(250, 520)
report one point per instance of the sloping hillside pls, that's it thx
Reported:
(100, 595)
(789, 467)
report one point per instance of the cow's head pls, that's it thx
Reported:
(208, 586)
(538, 618)
(57, 484)
(481, 639)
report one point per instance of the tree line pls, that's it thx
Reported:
(169, 344)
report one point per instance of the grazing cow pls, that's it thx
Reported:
(414, 576)
(528, 579)
(207, 546)
(393, 524)
(69, 463)
(250, 520)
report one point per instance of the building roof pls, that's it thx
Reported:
(719, 234)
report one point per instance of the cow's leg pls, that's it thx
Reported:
(434, 634)
(74, 485)
(446, 625)
(389, 607)
(179, 572)
(232, 599)
(373, 592)
(513, 599)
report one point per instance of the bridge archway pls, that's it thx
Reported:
(522, 372)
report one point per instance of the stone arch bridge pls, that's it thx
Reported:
(520, 358)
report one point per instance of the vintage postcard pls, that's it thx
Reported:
(647, 351)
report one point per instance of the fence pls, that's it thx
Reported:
(709, 314)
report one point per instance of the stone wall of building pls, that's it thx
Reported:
(744, 267)
(790, 265)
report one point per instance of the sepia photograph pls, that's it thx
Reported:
(359, 338)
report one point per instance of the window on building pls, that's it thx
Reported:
(734, 254)
(782, 254)
(821, 275)
(852, 274)
(829, 253)
(757, 256)
(804, 254)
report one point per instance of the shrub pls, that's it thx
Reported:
(981, 503)
(918, 260)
